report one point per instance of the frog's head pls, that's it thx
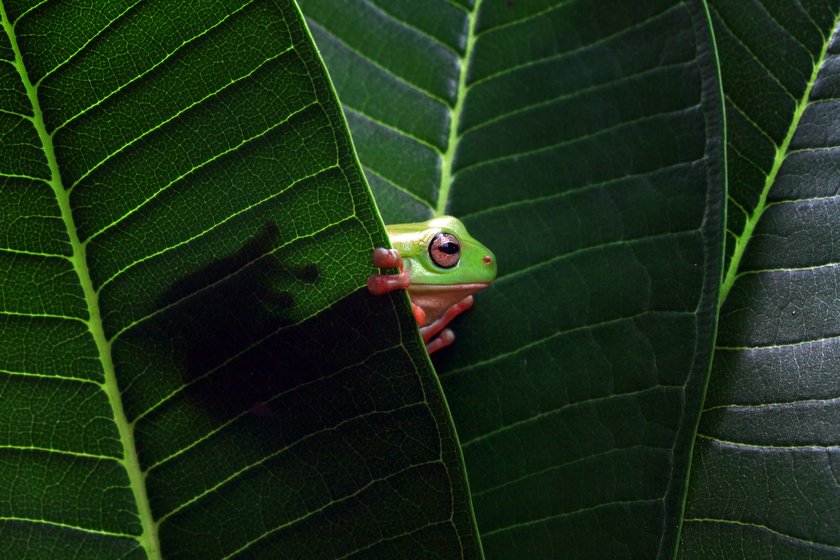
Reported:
(445, 263)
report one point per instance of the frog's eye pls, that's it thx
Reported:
(445, 250)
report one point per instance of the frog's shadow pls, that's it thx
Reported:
(223, 318)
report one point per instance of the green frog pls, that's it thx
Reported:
(441, 266)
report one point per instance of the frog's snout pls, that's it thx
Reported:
(489, 269)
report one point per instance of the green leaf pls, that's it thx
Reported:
(765, 481)
(582, 142)
(190, 364)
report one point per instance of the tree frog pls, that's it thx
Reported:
(441, 266)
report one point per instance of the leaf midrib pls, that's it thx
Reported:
(148, 539)
(743, 240)
(448, 157)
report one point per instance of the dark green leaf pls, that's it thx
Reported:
(582, 142)
(765, 476)
(190, 365)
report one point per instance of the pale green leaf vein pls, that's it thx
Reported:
(548, 518)
(406, 534)
(148, 538)
(544, 340)
(587, 91)
(27, 177)
(447, 173)
(390, 73)
(10, 313)
(612, 181)
(326, 506)
(34, 253)
(154, 66)
(821, 340)
(394, 185)
(763, 528)
(763, 447)
(574, 52)
(526, 19)
(28, 11)
(16, 114)
(516, 156)
(268, 457)
(548, 263)
(408, 26)
(215, 157)
(781, 154)
(58, 524)
(730, 103)
(215, 226)
(64, 452)
(771, 405)
(390, 127)
(176, 115)
(788, 270)
(556, 467)
(217, 282)
(49, 376)
(512, 426)
(750, 52)
(85, 45)
(249, 411)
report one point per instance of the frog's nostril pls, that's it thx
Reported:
(487, 259)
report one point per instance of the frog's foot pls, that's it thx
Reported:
(446, 336)
(381, 284)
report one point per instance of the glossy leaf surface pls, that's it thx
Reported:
(190, 366)
(582, 143)
(765, 476)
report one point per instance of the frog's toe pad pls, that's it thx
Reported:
(419, 314)
(386, 258)
(444, 339)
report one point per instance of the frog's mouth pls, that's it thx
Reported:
(435, 299)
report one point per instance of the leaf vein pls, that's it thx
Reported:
(588, 136)
(525, 19)
(58, 524)
(64, 452)
(571, 95)
(195, 168)
(402, 23)
(553, 412)
(326, 506)
(573, 52)
(244, 470)
(750, 52)
(392, 128)
(177, 114)
(209, 286)
(85, 45)
(764, 528)
(221, 427)
(541, 520)
(395, 186)
(153, 66)
(390, 73)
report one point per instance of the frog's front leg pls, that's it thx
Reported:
(381, 284)
(446, 336)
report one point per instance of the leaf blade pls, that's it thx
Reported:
(563, 121)
(769, 409)
(194, 285)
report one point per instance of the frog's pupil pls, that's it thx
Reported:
(449, 248)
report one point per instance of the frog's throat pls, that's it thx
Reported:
(435, 299)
